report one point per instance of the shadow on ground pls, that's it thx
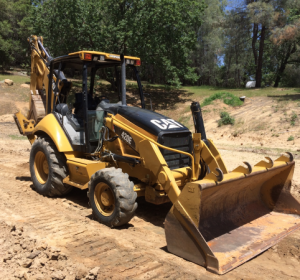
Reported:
(154, 214)
(287, 97)
(163, 98)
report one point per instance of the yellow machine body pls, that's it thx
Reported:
(220, 221)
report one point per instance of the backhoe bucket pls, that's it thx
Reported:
(221, 225)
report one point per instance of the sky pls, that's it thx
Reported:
(233, 3)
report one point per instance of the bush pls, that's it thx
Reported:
(227, 97)
(294, 117)
(291, 138)
(226, 119)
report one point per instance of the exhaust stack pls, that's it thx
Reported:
(198, 120)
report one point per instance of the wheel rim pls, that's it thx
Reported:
(104, 199)
(41, 167)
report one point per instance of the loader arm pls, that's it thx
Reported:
(226, 218)
(155, 162)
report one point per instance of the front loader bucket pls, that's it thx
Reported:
(222, 225)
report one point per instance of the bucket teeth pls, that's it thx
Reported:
(286, 157)
(244, 170)
(265, 164)
(216, 177)
(291, 156)
(220, 175)
(249, 166)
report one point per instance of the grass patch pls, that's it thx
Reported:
(16, 79)
(204, 91)
(291, 138)
(294, 117)
(185, 121)
(227, 97)
(225, 119)
(187, 109)
(17, 137)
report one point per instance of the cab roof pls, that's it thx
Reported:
(101, 59)
(109, 56)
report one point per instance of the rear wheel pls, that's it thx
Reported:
(112, 197)
(48, 168)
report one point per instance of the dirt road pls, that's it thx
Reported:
(76, 247)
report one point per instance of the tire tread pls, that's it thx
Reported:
(58, 167)
(124, 192)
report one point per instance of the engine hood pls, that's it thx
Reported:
(150, 121)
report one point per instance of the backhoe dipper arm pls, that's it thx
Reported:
(37, 100)
(39, 69)
(42, 99)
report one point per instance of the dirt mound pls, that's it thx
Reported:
(7, 118)
(26, 258)
(217, 104)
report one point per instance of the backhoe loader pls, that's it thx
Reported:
(218, 219)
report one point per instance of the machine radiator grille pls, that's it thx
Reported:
(180, 141)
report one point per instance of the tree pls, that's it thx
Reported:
(286, 39)
(161, 32)
(14, 30)
(208, 54)
(261, 14)
(260, 22)
(237, 48)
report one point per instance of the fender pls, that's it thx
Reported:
(52, 128)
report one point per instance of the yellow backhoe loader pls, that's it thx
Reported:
(219, 219)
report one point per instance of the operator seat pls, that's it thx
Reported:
(75, 121)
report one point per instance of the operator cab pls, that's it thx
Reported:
(81, 111)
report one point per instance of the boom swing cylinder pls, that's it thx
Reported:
(219, 219)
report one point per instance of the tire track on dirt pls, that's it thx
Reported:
(134, 252)
(84, 239)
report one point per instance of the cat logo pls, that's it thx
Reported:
(166, 124)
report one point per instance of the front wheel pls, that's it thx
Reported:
(112, 197)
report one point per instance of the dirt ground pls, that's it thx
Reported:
(56, 238)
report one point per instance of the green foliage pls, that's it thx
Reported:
(291, 138)
(15, 27)
(290, 77)
(227, 97)
(210, 44)
(162, 33)
(294, 117)
(187, 42)
(225, 119)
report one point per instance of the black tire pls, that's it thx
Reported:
(50, 184)
(120, 188)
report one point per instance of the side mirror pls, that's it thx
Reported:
(149, 95)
